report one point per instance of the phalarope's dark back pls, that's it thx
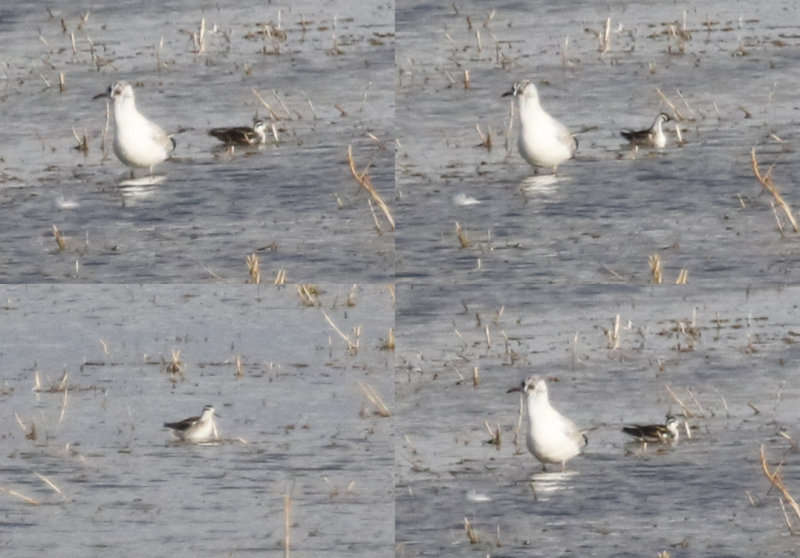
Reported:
(650, 137)
(666, 433)
(242, 135)
(196, 429)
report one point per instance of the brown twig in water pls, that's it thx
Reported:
(777, 481)
(51, 484)
(18, 495)
(255, 270)
(678, 115)
(768, 184)
(364, 181)
(463, 239)
(370, 393)
(352, 347)
(472, 535)
(60, 240)
(686, 411)
(287, 524)
(655, 268)
(486, 139)
(273, 115)
(495, 439)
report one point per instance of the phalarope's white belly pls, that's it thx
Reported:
(666, 433)
(242, 135)
(196, 429)
(649, 137)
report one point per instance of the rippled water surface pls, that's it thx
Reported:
(293, 419)
(728, 68)
(728, 357)
(322, 70)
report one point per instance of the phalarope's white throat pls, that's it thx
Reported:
(196, 429)
(543, 141)
(551, 437)
(138, 142)
(666, 433)
(650, 137)
(241, 135)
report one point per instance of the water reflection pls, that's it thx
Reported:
(543, 184)
(545, 483)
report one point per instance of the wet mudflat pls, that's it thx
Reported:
(88, 468)
(727, 71)
(726, 356)
(293, 202)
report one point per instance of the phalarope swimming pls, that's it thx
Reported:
(650, 137)
(543, 141)
(138, 142)
(551, 437)
(196, 429)
(666, 433)
(241, 135)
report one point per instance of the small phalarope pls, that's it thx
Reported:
(650, 137)
(551, 437)
(543, 141)
(196, 429)
(666, 433)
(138, 142)
(242, 135)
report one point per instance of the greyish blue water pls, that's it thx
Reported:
(730, 358)
(323, 70)
(293, 419)
(727, 68)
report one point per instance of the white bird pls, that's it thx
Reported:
(551, 437)
(196, 430)
(241, 135)
(138, 142)
(666, 433)
(649, 137)
(543, 141)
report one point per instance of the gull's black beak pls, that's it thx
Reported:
(508, 93)
(106, 93)
(518, 388)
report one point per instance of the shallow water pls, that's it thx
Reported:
(294, 421)
(727, 356)
(697, 205)
(294, 203)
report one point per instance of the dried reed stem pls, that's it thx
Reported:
(370, 393)
(254, 268)
(287, 524)
(364, 181)
(777, 481)
(472, 535)
(60, 240)
(678, 115)
(687, 413)
(768, 184)
(18, 495)
(51, 484)
(605, 38)
(353, 347)
(273, 115)
(655, 268)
